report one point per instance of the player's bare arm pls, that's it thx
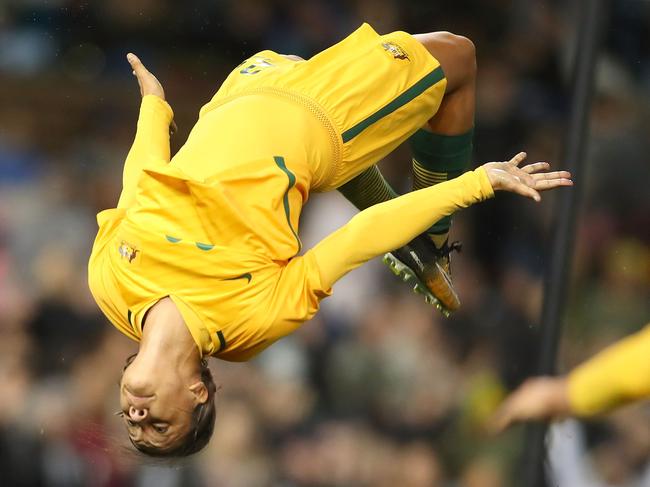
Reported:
(536, 399)
(615, 376)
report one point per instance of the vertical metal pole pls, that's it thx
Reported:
(589, 21)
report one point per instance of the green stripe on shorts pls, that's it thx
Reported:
(413, 92)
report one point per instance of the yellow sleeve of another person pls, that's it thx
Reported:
(617, 375)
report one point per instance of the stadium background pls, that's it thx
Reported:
(378, 390)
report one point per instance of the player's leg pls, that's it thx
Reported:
(367, 189)
(442, 150)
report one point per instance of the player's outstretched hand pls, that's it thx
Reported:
(149, 84)
(536, 399)
(528, 180)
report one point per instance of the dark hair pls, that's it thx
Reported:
(203, 419)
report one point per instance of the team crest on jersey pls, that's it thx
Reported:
(128, 251)
(395, 50)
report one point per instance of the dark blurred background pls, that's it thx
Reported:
(379, 389)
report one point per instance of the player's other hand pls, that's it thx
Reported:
(536, 399)
(149, 84)
(528, 180)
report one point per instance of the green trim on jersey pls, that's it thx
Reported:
(222, 341)
(248, 276)
(204, 246)
(279, 160)
(413, 92)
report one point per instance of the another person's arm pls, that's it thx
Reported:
(390, 225)
(618, 375)
(151, 144)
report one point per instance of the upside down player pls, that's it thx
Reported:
(200, 259)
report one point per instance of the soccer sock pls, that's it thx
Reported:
(438, 158)
(367, 189)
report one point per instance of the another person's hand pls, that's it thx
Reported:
(536, 399)
(528, 180)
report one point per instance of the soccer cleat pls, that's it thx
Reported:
(427, 268)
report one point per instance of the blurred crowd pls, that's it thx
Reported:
(379, 389)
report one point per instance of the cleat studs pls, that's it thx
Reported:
(405, 274)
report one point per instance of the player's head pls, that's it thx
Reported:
(166, 413)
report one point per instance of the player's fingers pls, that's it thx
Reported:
(555, 183)
(500, 419)
(496, 425)
(552, 175)
(545, 184)
(134, 60)
(518, 159)
(536, 167)
(508, 413)
(526, 190)
(521, 176)
(138, 68)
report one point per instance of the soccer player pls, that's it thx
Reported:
(200, 257)
(616, 376)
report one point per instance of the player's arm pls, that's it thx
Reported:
(390, 225)
(151, 144)
(618, 375)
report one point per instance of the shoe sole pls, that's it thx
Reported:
(406, 274)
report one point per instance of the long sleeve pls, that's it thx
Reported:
(390, 225)
(617, 375)
(150, 147)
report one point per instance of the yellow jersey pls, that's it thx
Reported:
(215, 228)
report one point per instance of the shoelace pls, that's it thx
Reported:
(447, 249)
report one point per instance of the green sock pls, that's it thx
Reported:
(438, 158)
(367, 189)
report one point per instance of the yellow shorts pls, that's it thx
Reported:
(371, 93)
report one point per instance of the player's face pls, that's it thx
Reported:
(157, 410)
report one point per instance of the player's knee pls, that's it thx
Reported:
(456, 54)
(467, 50)
(464, 50)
